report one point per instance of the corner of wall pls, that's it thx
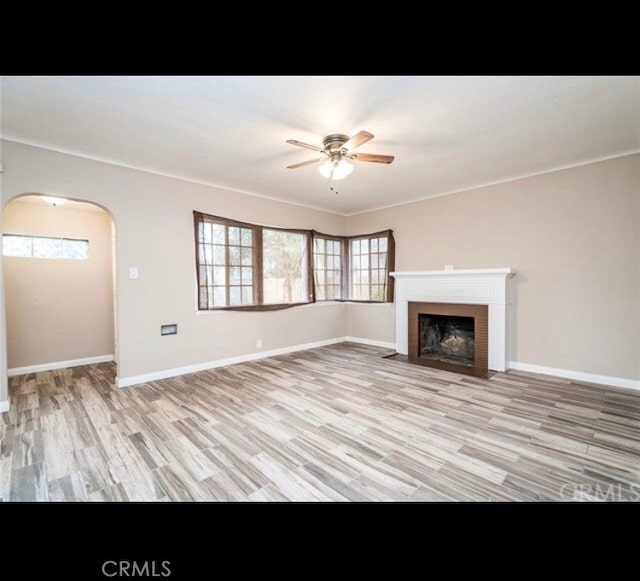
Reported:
(4, 385)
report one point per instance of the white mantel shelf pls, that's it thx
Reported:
(452, 272)
(482, 286)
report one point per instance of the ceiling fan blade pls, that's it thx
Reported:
(309, 162)
(372, 157)
(358, 139)
(300, 144)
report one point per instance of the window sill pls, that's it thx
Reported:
(371, 304)
(317, 304)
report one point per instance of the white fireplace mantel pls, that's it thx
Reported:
(486, 286)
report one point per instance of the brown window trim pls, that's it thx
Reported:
(257, 265)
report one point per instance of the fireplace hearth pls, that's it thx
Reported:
(449, 336)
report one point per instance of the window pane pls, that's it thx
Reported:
(247, 237)
(247, 275)
(206, 229)
(18, 246)
(374, 260)
(377, 293)
(218, 255)
(47, 248)
(234, 255)
(235, 297)
(382, 244)
(284, 266)
(247, 295)
(218, 233)
(382, 260)
(319, 261)
(219, 275)
(319, 245)
(219, 296)
(374, 245)
(75, 249)
(234, 235)
(203, 296)
(247, 256)
(356, 246)
(234, 275)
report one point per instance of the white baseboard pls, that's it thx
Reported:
(166, 373)
(373, 342)
(576, 375)
(58, 365)
(4, 406)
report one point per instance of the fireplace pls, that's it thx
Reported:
(449, 336)
(485, 287)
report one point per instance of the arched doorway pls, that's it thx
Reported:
(59, 283)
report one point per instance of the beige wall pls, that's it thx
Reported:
(371, 321)
(58, 310)
(573, 236)
(154, 232)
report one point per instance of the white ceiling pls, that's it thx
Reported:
(447, 133)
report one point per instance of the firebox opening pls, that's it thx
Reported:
(447, 338)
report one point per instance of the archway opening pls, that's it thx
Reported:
(58, 258)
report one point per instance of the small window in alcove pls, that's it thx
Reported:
(21, 246)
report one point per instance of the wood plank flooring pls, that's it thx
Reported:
(338, 423)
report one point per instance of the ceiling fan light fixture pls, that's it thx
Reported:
(326, 168)
(337, 170)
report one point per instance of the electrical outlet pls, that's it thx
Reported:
(259, 344)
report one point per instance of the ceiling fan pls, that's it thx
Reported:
(337, 150)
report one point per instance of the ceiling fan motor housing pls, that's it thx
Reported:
(334, 141)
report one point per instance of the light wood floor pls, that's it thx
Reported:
(335, 423)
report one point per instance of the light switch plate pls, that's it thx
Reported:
(133, 272)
